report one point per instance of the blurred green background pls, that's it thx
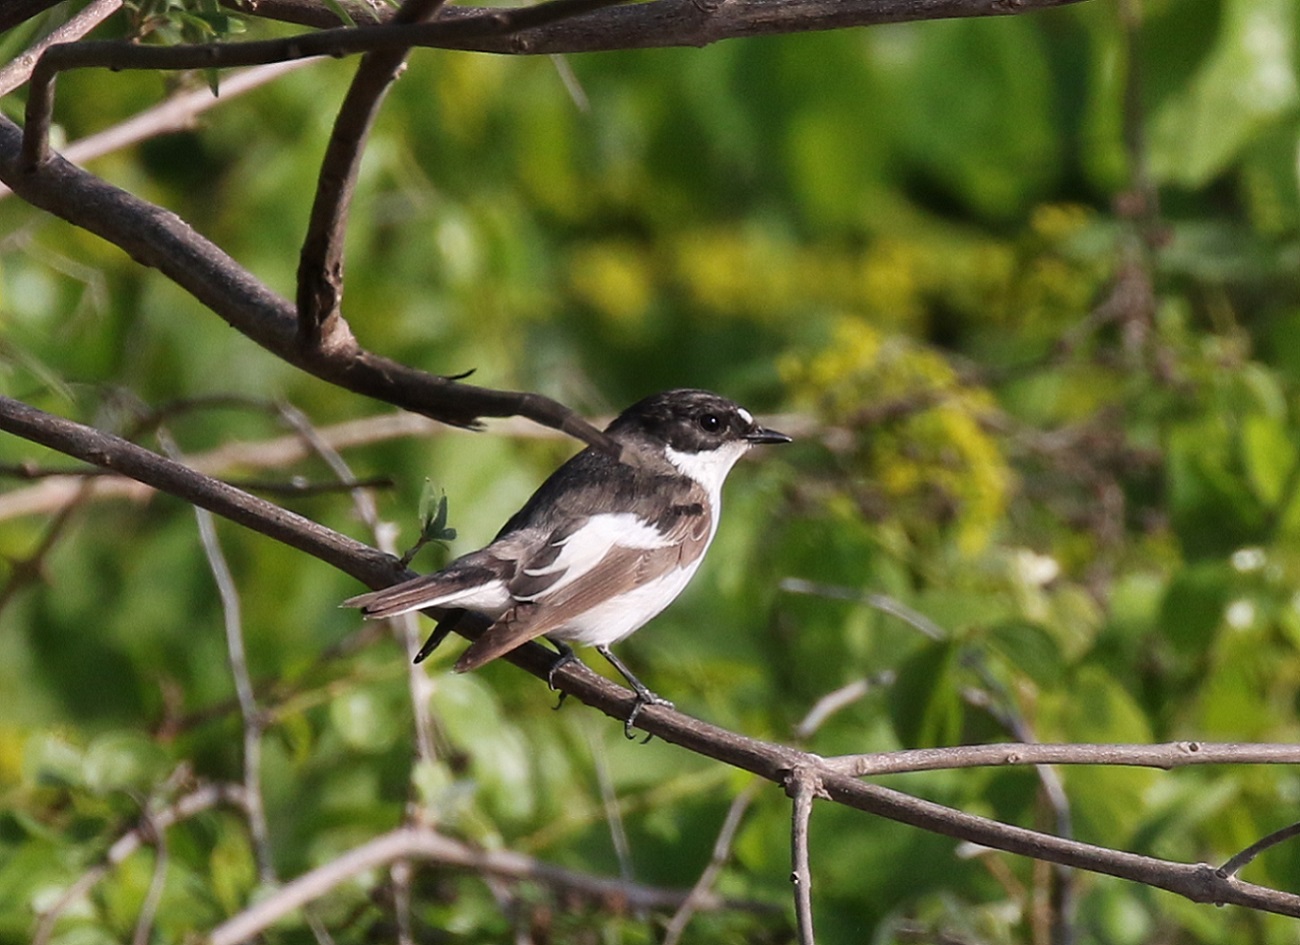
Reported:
(1027, 287)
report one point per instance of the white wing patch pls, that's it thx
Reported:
(588, 546)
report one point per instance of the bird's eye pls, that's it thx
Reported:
(710, 422)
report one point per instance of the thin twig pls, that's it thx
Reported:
(609, 802)
(717, 860)
(406, 626)
(196, 802)
(401, 873)
(1166, 756)
(1236, 863)
(881, 602)
(233, 622)
(836, 700)
(20, 68)
(174, 114)
(153, 896)
(422, 843)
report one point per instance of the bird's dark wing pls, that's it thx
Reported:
(559, 584)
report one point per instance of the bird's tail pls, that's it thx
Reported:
(431, 590)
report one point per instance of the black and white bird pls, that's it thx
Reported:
(602, 546)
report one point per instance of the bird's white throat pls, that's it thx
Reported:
(709, 468)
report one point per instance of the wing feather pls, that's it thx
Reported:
(550, 594)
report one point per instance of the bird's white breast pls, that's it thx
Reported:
(622, 615)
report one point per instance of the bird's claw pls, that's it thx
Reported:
(566, 657)
(644, 697)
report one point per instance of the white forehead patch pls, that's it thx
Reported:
(745, 415)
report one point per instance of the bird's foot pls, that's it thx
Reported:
(566, 657)
(644, 697)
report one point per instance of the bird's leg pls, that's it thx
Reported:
(644, 696)
(564, 659)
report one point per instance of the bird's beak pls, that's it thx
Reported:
(764, 435)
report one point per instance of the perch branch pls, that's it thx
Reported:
(1196, 881)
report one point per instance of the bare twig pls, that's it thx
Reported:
(252, 717)
(1198, 882)
(802, 784)
(196, 802)
(20, 68)
(412, 843)
(881, 602)
(406, 626)
(836, 700)
(717, 860)
(1167, 756)
(320, 265)
(153, 896)
(609, 801)
(1236, 863)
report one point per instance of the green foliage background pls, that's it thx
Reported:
(1062, 428)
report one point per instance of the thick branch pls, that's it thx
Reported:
(155, 237)
(451, 33)
(671, 22)
(774, 762)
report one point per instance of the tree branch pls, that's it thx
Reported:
(1167, 756)
(19, 69)
(320, 264)
(660, 23)
(406, 843)
(802, 784)
(155, 237)
(774, 762)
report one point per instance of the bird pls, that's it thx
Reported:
(602, 546)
